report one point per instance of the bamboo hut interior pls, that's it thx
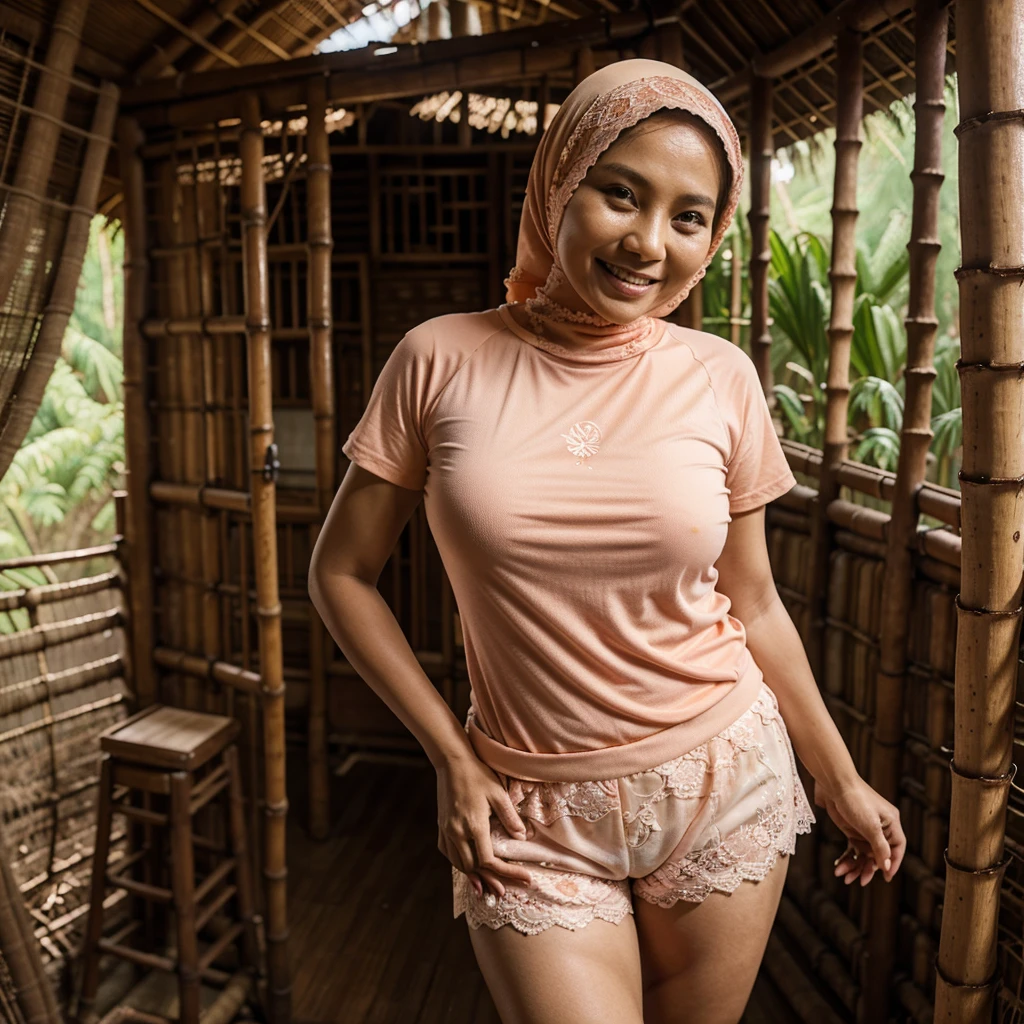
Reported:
(288, 215)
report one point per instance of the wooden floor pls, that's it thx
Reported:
(372, 937)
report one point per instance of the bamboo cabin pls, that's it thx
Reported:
(288, 215)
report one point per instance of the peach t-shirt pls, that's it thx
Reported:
(579, 499)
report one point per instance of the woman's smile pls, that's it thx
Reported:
(625, 282)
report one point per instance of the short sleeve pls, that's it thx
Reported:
(389, 439)
(757, 471)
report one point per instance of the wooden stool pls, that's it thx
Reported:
(158, 751)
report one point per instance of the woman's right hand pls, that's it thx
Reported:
(467, 792)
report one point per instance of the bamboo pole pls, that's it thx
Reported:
(321, 374)
(891, 682)
(138, 528)
(990, 66)
(21, 408)
(762, 150)
(188, 365)
(41, 138)
(261, 432)
(843, 275)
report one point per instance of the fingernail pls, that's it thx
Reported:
(888, 863)
(838, 859)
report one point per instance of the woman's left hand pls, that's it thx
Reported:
(871, 825)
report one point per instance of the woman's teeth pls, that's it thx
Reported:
(634, 282)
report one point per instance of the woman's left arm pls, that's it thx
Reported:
(745, 577)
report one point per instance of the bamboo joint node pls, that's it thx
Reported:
(992, 117)
(962, 272)
(993, 982)
(992, 869)
(975, 777)
(991, 612)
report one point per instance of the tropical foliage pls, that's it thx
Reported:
(57, 493)
(800, 295)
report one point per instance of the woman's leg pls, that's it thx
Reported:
(587, 976)
(699, 961)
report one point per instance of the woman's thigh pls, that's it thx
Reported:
(699, 961)
(589, 975)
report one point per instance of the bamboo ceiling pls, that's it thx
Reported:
(136, 41)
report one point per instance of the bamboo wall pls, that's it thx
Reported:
(371, 231)
(63, 681)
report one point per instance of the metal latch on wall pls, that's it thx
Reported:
(271, 463)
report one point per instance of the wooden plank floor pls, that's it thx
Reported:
(372, 937)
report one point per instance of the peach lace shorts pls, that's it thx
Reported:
(707, 820)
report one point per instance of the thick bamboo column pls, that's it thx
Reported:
(139, 525)
(23, 404)
(321, 375)
(761, 152)
(264, 519)
(990, 66)
(41, 138)
(930, 31)
(843, 275)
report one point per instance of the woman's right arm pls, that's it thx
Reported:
(355, 542)
(358, 536)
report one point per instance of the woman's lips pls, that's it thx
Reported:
(625, 287)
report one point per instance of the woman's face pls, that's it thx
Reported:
(645, 208)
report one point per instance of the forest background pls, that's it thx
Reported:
(57, 494)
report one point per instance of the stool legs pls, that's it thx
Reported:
(94, 923)
(183, 872)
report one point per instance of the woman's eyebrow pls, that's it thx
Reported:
(690, 198)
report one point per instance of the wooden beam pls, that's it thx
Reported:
(596, 29)
(206, 22)
(187, 31)
(858, 15)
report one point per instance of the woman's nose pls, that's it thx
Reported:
(647, 240)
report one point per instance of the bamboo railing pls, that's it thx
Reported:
(991, 87)
(61, 684)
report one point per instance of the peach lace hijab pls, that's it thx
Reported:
(605, 103)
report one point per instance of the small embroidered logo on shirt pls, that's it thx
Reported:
(584, 440)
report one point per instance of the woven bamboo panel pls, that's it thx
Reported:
(62, 682)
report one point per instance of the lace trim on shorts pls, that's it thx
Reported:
(572, 899)
(747, 853)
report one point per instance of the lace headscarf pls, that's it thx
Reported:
(604, 104)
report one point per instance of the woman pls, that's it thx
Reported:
(620, 805)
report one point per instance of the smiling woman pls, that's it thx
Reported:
(621, 242)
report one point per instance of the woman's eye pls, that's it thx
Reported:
(693, 217)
